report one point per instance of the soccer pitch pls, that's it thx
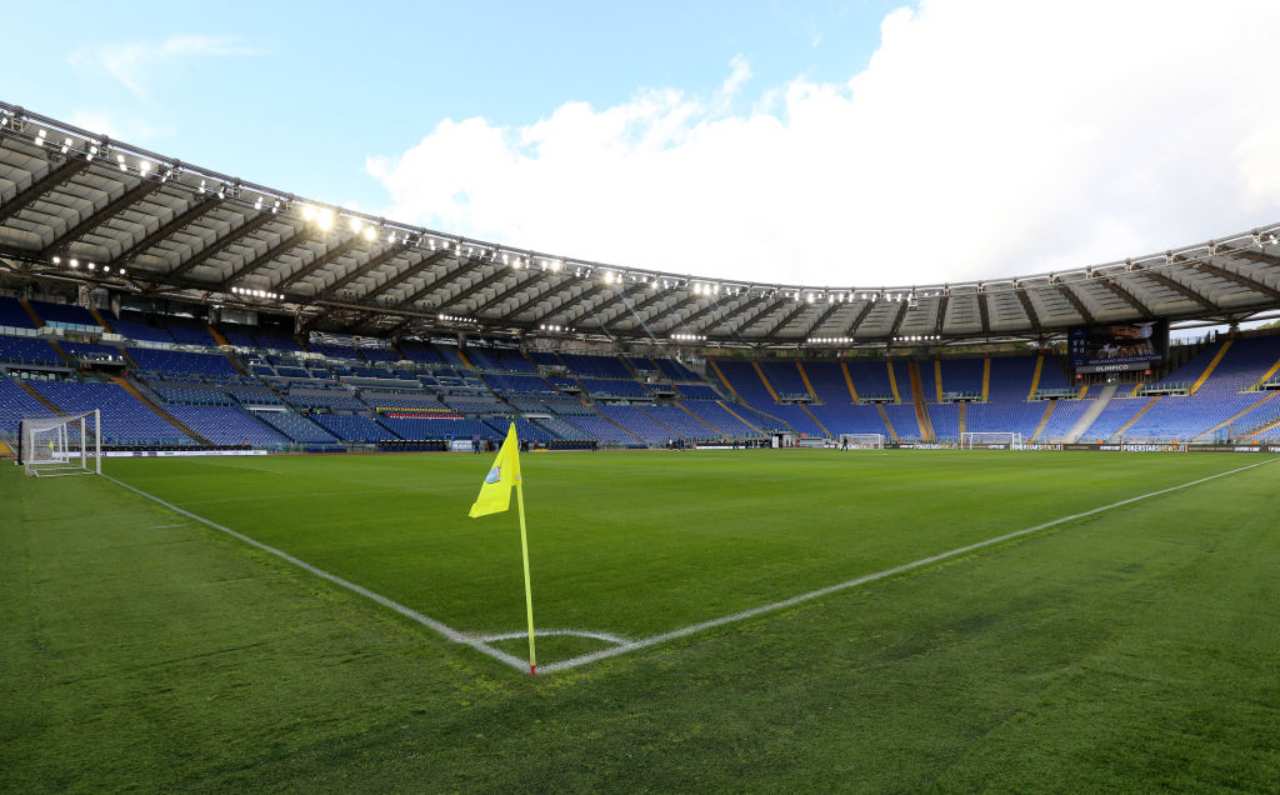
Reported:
(1142, 630)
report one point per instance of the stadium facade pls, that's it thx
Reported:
(200, 311)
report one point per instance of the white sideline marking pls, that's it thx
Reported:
(674, 634)
(438, 627)
(624, 646)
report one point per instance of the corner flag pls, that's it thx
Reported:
(495, 492)
(495, 497)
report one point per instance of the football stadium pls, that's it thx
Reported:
(303, 497)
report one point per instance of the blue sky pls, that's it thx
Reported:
(301, 94)
(845, 144)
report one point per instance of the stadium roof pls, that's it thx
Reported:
(74, 204)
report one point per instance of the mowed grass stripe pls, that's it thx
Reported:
(640, 544)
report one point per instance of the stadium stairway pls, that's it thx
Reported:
(937, 380)
(712, 430)
(918, 398)
(825, 431)
(733, 393)
(1089, 416)
(31, 312)
(1266, 398)
(764, 379)
(218, 336)
(735, 414)
(893, 383)
(1049, 407)
(808, 385)
(156, 408)
(66, 358)
(1275, 368)
(102, 321)
(41, 399)
(848, 382)
(1264, 429)
(1035, 386)
(1213, 365)
(1119, 434)
(630, 433)
(888, 424)
(962, 417)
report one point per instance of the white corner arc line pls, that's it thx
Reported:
(654, 640)
(604, 637)
(439, 627)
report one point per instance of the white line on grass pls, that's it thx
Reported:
(436, 626)
(683, 632)
(624, 646)
(606, 637)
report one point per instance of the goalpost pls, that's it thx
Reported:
(58, 446)
(991, 440)
(861, 441)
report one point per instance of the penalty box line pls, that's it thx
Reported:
(692, 629)
(439, 627)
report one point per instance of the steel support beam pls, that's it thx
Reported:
(408, 273)
(1030, 310)
(862, 316)
(192, 214)
(331, 255)
(299, 236)
(1123, 293)
(219, 245)
(98, 217)
(371, 265)
(1182, 290)
(31, 194)
(1076, 302)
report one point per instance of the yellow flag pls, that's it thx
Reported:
(495, 492)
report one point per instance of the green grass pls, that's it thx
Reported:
(1133, 649)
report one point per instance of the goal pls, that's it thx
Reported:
(59, 446)
(991, 440)
(861, 441)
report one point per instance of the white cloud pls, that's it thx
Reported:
(983, 139)
(132, 64)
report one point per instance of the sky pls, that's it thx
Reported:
(856, 143)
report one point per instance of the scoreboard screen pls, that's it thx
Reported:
(1118, 347)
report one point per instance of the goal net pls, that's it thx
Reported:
(57, 446)
(991, 440)
(861, 441)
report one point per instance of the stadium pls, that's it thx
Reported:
(1012, 534)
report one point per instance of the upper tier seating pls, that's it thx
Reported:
(191, 393)
(12, 314)
(596, 366)
(675, 370)
(27, 350)
(962, 377)
(64, 314)
(92, 352)
(210, 365)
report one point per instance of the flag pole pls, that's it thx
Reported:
(528, 588)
